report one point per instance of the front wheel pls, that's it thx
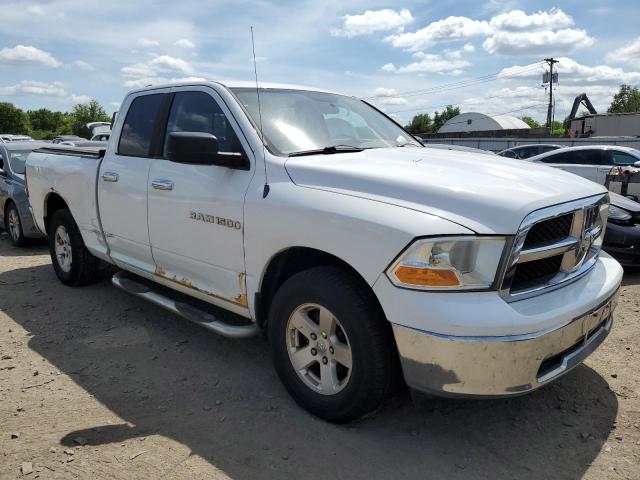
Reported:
(331, 344)
(13, 226)
(73, 263)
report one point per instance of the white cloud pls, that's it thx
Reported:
(384, 92)
(35, 10)
(571, 71)
(373, 21)
(184, 43)
(448, 29)
(519, 21)
(30, 88)
(151, 72)
(394, 101)
(388, 67)
(87, 67)
(148, 42)
(83, 99)
(628, 54)
(144, 82)
(433, 63)
(115, 105)
(545, 42)
(165, 63)
(28, 55)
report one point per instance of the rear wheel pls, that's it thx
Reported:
(13, 225)
(73, 263)
(330, 344)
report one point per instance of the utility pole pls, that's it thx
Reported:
(550, 62)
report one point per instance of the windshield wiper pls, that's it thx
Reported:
(327, 150)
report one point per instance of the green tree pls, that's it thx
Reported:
(85, 113)
(531, 122)
(626, 100)
(43, 123)
(12, 119)
(448, 113)
(420, 123)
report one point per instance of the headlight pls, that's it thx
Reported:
(449, 263)
(617, 214)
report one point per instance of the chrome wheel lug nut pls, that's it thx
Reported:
(325, 360)
(314, 336)
(314, 352)
(324, 335)
(330, 349)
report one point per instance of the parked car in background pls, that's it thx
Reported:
(68, 138)
(460, 148)
(592, 162)
(6, 138)
(527, 151)
(622, 237)
(15, 215)
(101, 137)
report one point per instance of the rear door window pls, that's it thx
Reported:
(619, 158)
(576, 157)
(139, 125)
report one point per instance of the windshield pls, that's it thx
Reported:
(17, 160)
(301, 120)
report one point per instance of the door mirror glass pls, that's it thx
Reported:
(200, 148)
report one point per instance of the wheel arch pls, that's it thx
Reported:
(52, 203)
(286, 263)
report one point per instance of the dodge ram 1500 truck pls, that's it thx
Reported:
(364, 256)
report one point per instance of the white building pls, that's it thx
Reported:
(479, 122)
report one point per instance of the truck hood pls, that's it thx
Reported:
(484, 193)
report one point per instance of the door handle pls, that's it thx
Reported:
(162, 184)
(110, 176)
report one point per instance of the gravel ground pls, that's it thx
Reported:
(97, 384)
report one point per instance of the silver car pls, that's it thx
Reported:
(15, 215)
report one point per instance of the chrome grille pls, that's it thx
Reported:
(555, 245)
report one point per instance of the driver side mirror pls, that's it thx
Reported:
(202, 148)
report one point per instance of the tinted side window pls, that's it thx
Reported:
(527, 152)
(576, 157)
(620, 158)
(199, 112)
(547, 149)
(137, 132)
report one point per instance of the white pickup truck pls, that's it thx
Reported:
(364, 256)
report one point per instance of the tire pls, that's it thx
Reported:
(72, 262)
(317, 295)
(13, 225)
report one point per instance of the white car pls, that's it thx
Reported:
(315, 217)
(592, 162)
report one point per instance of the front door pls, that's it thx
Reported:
(196, 211)
(122, 183)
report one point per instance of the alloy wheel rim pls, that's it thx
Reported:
(319, 349)
(62, 247)
(14, 224)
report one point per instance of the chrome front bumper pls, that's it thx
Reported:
(457, 366)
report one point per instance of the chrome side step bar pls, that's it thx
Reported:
(125, 282)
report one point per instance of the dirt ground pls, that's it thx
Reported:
(95, 383)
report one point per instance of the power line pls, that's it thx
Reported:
(429, 107)
(467, 82)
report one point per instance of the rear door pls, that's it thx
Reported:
(196, 212)
(123, 177)
(583, 162)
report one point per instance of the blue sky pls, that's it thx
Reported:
(60, 52)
